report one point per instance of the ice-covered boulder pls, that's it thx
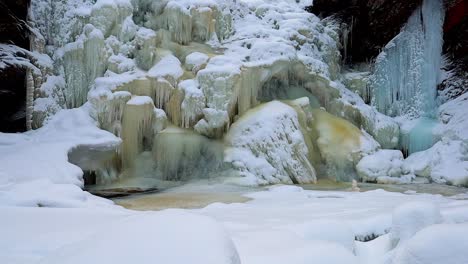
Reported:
(163, 237)
(412, 217)
(382, 163)
(266, 146)
(196, 61)
(436, 244)
(169, 68)
(214, 123)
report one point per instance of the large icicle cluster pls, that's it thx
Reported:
(407, 74)
(407, 71)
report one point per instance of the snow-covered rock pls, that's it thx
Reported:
(163, 237)
(267, 146)
(412, 217)
(382, 163)
(196, 61)
(445, 162)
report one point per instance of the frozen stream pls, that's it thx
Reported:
(279, 224)
(200, 194)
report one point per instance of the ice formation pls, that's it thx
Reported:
(407, 73)
(177, 77)
(267, 146)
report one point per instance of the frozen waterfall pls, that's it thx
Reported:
(407, 73)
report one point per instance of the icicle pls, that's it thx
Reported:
(407, 71)
(203, 23)
(182, 154)
(176, 21)
(29, 98)
(137, 128)
(110, 111)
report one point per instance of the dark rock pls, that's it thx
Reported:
(13, 30)
(371, 23)
(121, 192)
(455, 49)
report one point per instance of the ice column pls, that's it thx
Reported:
(407, 71)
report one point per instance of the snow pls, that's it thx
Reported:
(382, 163)
(410, 218)
(140, 100)
(436, 244)
(171, 236)
(167, 66)
(38, 159)
(267, 146)
(284, 224)
(445, 162)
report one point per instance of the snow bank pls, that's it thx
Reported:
(410, 218)
(434, 245)
(40, 157)
(165, 237)
(446, 162)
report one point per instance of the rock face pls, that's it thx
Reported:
(371, 24)
(13, 30)
(456, 49)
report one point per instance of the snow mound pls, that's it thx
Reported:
(445, 162)
(41, 157)
(382, 163)
(412, 217)
(167, 237)
(326, 230)
(434, 245)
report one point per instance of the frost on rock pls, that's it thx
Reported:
(410, 218)
(380, 164)
(267, 146)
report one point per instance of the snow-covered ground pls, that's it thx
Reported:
(284, 224)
